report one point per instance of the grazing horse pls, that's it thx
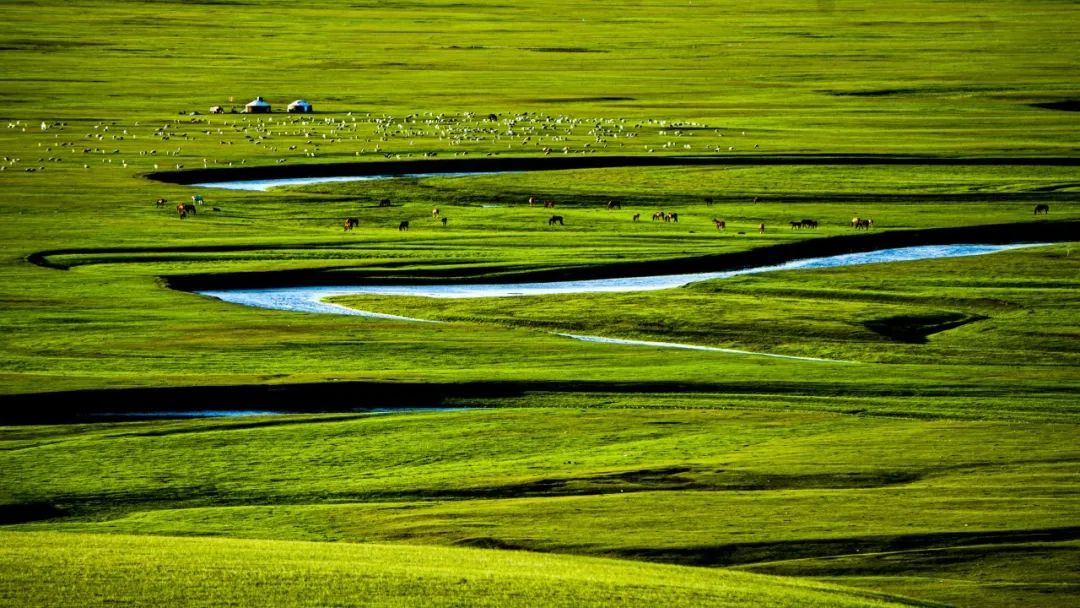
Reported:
(549, 204)
(659, 215)
(403, 226)
(196, 199)
(384, 202)
(720, 224)
(435, 213)
(864, 224)
(671, 217)
(809, 223)
(614, 205)
(708, 201)
(532, 201)
(161, 202)
(444, 220)
(183, 209)
(761, 228)
(637, 216)
(351, 222)
(795, 225)
(555, 219)
(1042, 208)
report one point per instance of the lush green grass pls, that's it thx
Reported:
(1003, 574)
(945, 449)
(89, 570)
(702, 487)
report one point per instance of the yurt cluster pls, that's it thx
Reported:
(261, 106)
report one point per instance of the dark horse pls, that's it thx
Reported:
(351, 222)
(555, 219)
(1042, 208)
(403, 226)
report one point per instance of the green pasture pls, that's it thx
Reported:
(57, 568)
(929, 459)
(707, 487)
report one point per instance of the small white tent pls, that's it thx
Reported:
(259, 106)
(300, 106)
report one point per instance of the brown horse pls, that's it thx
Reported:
(183, 209)
(555, 219)
(761, 228)
(637, 216)
(720, 224)
(549, 204)
(435, 212)
(864, 224)
(351, 222)
(1042, 208)
(659, 215)
(161, 202)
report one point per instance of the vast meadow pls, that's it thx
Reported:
(900, 433)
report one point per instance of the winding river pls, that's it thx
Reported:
(312, 299)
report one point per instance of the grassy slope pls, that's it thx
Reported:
(68, 570)
(695, 487)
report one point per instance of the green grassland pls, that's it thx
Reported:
(172, 572)
(931, 460)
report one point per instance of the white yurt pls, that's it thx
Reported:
(300, 106)
(259, 106)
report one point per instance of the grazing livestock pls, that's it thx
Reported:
(532, 201)
(659, 215)
(403, 226)
(761, 228)
(351, 222)
(435, 213)
(183, 209)
(196, 198)
(161, 202)
(549, 204)
(864, 224)
(555, 219)
(671, 217)
(444, 221)
(795, 225)
(809, 223)
(384, 202)
(720, 224)
(614, 205)
(1042, 208)
(708, 201)
(637, 216)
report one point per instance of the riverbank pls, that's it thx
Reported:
(563, 163)
(996, 234)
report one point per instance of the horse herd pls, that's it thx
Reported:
(858, 223)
